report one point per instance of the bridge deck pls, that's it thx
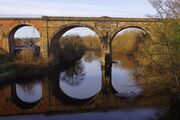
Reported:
(58, 18)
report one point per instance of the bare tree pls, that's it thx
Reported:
(169, 12)
(167, 8)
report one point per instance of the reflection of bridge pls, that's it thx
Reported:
(50, 103)
(52, 28)
(53, 98)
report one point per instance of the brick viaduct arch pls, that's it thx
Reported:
(58, 33)
(114, 33)
(8, 27)
(146, 32)
(19, 102)
(12, 32)
(52, 28)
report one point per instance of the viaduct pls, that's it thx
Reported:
(52, 28)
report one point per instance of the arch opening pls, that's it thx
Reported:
(78, 84)
(125, 45)
(24, 38)
(124, 81)
(73, 82)
(128, 40)
(78, 38)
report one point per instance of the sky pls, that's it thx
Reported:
(88, 8)
(79, 8)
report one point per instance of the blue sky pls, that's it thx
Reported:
(79, 8)
(112, 8)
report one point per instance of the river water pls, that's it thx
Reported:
(83, 91)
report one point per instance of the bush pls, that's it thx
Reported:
(3, 56)
(70, 48)
(27, 57)
(127, 42)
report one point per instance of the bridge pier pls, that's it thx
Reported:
(45, 39)
(106, 63)
(106, 51)
(106, 79)
(44, 48)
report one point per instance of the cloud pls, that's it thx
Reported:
(70, 8)
(80, 8)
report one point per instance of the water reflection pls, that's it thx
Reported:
(124, 83)
(81, 81)
(91, 56)
(27, 95)
(85, 86)
(131, 114)
(73, 76)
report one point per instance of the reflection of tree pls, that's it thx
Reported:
(29, 86)
(124, 60)
(75, 75)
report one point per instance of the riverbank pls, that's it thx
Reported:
(9, 71)
(12, 71)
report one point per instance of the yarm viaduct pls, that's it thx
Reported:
(52, 28)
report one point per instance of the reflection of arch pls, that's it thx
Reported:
(20, 101)
(123, 84)
(123, 28)
(60, 95)
(125, 96)
(63, 97)
(12, 33)
(60, 31)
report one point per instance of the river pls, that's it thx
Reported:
(83, 91)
